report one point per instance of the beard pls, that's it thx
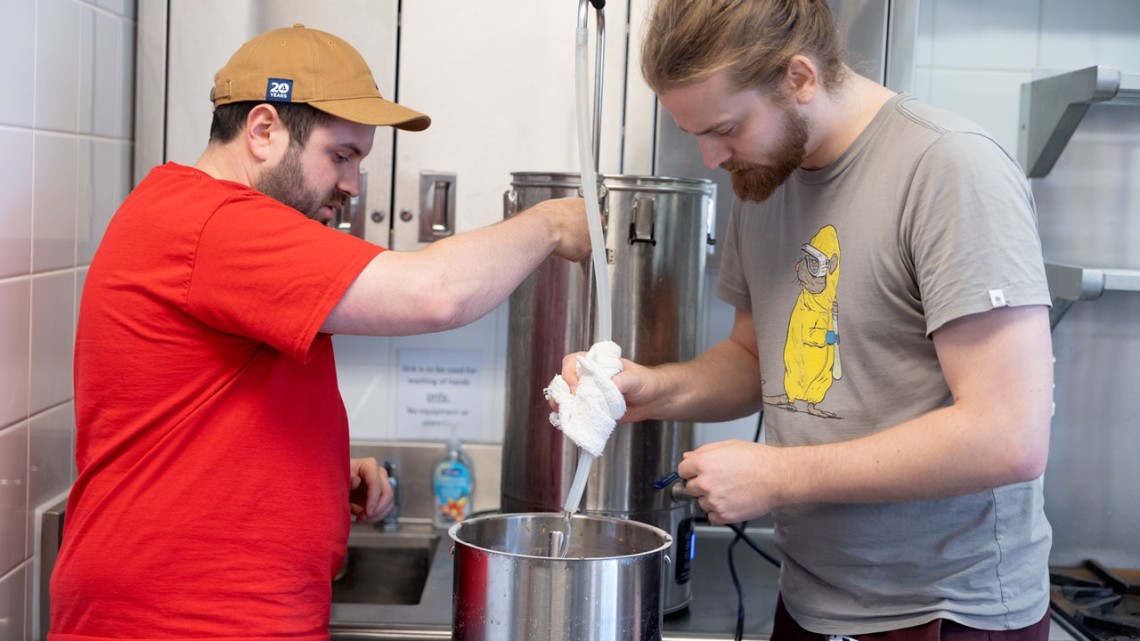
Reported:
(754, 182)
(286, 183)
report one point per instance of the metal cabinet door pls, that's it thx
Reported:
(498, 81)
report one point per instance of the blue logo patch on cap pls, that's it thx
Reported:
(279, 90)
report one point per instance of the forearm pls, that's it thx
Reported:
(447, 284)
(721, 384)
(999, 368)
(947, 452)
(474, 272)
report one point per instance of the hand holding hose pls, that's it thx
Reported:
(641, 386)
(733, 481)
(588, 414)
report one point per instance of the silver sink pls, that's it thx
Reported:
(385, 568)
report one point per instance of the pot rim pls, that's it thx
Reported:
(667, 539)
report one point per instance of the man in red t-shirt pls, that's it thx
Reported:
(215, 488)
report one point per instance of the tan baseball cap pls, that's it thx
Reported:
(308, 66)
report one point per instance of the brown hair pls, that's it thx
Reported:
(754, 40)
(299, 119)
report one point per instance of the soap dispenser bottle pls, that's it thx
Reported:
(453, 484)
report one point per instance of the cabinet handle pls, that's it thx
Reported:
(437, 206)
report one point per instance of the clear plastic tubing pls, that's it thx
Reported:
(597, 242)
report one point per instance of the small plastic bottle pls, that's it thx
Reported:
(453, 485)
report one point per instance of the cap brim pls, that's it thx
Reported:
(375, 111)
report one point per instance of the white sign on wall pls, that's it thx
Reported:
(439, 394)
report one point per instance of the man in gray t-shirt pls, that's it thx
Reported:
(922, 220)
(891, 318)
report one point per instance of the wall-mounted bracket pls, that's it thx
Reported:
(1071, 283)
(1051, 109)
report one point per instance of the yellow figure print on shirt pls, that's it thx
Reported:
(811, 353)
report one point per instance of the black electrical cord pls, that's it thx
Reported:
(739, 589)
(739, 529)
(741, 536)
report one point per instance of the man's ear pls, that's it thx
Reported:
(265, 134)
(803, 78)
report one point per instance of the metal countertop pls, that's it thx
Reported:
(711, 613)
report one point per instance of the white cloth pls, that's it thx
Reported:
(589, 415)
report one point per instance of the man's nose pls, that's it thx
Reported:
(713, 153)
(350, 182)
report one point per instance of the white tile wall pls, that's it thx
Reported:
(973, 56)
(103, 169)
(53, 301)
(50, 460)
(12, 590)
(1081, 34)
(15, 350)
(15, 223)
(53, 221)
(17, 43)
(978, 34)
(57, 65)
(989, 98)
(65, 147)
(13, 496)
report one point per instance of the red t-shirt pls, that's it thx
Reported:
(212, 447)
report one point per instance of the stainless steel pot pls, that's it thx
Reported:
(657, 234)
(508, 587)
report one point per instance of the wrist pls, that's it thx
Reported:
(670, 398)
(548, 215)
(784, 463)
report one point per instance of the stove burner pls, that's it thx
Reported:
(1100, 603)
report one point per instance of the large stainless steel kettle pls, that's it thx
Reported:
(508, 587)
(657, 232)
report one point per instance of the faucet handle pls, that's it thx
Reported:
(390, 522)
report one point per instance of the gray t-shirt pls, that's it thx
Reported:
(924, 219)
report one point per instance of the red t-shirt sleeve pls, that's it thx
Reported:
(264, 271)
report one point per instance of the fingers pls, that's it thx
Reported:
(627, 381)
(386, 502)
(717, 511)
(695, 488)
(711, 512)
(371, 498)
(569, 375)
(570, 369)
(629, 378)
(722, 477)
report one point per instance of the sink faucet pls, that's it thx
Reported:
(390, 522)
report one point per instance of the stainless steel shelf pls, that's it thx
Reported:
(1051, 109)
(1071, 283)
